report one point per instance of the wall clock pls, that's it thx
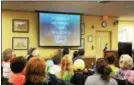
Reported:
(104, 24)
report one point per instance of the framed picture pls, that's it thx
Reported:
(90, 38)
(20, 25)
(83, 28)
(82, 45)
(20, 43)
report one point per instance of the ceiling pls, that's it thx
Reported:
(124, 9)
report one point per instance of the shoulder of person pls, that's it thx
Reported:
(113, 81)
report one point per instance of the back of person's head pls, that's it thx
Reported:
(56, 60)
(103, 69)
(75, 54)
(79, 65)
(81, 52)
(7, 54)
(65, 51)
(110, 58)
(18, 64)
(35, 70)
(66, 64)
(125, 62)
(58, 53)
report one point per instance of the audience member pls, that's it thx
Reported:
(78, 78)
(75, 54)
(29, 52)
(35, 71)
(49, 64)
(8, 55)
(65, 51)
(58, 53)
(102, 75)
(81, 54)
(66, 72)
(125, 72)
(56, 68)
(34, 53)
(17, 75)
(111, 61)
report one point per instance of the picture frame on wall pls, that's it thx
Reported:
(82, 45)
(20, 25)
(20, 43)
(90, 38)
(82, 28)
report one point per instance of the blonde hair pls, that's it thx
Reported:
(35, 70)
(66, 65)
(126, 62)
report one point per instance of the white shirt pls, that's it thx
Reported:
(55, 69)
(6, 69)
(96, 79)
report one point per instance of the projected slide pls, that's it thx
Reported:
(59, 29)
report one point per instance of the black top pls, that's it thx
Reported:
(78, 78)
(30, 83)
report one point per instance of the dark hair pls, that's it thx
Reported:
(6, 53)
(110, 59)
(75, 54)
(18, 64)
(81, 52)
(56, 60)
(65, 51)
(103, 69)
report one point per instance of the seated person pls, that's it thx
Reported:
(56, 68)
(75, 54)
(125, 72)
(111, 60)
(66, 72)
(7, 56)
(35, 71)
(17, 75)
(78, 77)
(81, 54)
(65, 51)
(102, 75)
(33, 52)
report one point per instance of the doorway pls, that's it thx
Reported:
(103, 39)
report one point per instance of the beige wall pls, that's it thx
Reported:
(7, 33)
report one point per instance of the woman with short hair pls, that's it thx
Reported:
(125, 72)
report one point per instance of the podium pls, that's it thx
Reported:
(89, 62)
(115, 53)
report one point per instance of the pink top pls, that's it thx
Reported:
(16, 79)
(126, 74)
